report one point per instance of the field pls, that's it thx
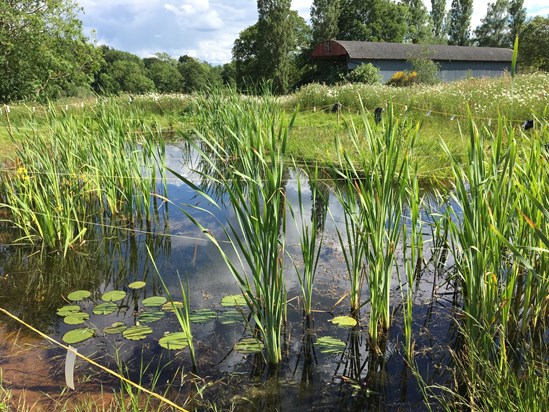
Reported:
(317, 217)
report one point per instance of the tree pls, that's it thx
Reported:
(517, 18)
(43, 52)
(162, 70)
(534, 44)
(438, 17)
(364, 73)
(324, 20)
(250, 67)
(273, 42)
(493, 30)
(419, 25)
(460, 20)
(197, 75)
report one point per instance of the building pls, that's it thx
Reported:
(456, 62)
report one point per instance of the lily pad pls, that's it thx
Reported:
(248, 345)
(114, 296)
(329, 344)
(173, 341)
(154, 301)
(230, 317)
(233, 300)
(202, 315)
(79, 295)
(171, 306)
(344, 321)
(116, 327)
(76, 318)
(148, 317)
(138, 284)
(77, 335)
(105, 308)
(68, 310)
(137, 332)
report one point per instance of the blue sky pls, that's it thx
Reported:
(205, 29)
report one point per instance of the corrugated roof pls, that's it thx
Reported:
(401, 51)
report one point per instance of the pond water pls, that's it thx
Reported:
(34, 284)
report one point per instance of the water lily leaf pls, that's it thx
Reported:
(233, 300)
(68, 310)
(116, 327)
(105, 308)
(137, 332)
(113, 296)
(329, 344)
(138, 284)
(344, 321)
(76, 318)
(79, 295)
(171, 306)
(77, 335)
(154, 301)
(147, 317)
(177, 340)
(202, 315)
(230, 317)
(248, 345)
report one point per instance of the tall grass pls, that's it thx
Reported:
(81, 170)
(246, 157)
(373, 197)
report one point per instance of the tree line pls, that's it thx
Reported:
(45, 55)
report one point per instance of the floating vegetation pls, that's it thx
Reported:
(105, 308)
(231, 317)
(137, 332)
(202, 315)
(148, 317)
(154, 301)
(76, 318)
(79, 295)
(113, 296)
(248, 346)
(138, 284)
(68, 310)
(78, 335)
(174, 341)
(344, 321)
(115, 328)
(329, 344)
(233, 300)
(171, 306)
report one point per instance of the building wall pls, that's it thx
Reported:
(449, 70)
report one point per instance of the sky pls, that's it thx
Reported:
(205, 29)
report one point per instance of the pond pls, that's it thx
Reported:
(346, 374)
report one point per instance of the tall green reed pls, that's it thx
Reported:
(246, 158)
(373, 193)
(81, 169)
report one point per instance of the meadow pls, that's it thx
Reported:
(446, 187)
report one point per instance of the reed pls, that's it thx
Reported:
(81, 170)
(247, 161)
(373, 195)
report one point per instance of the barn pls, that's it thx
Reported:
(456, 62)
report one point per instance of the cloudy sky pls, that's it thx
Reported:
(205, 29)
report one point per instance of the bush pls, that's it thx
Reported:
(428, 72)
(403, 78)
(364, 73)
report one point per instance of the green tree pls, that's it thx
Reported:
(43, 52)
(493, 30)
(162, 70)
(460, 21)
(373, 20)
(324, 20)
(364, 73)
(419, 24)
(534, 44)
(517, 18)
(121, 72)
(438, 18)
(273, 42)
(197, 75)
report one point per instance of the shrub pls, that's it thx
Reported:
(364, 73)
(403, 78)
(428, 71)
